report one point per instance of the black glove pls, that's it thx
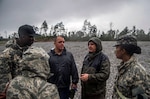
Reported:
(72, 93)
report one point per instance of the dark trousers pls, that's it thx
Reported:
(94, 97)
(87, 96)
(63, 93)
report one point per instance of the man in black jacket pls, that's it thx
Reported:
(63, 67)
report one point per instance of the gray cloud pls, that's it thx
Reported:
(14, 13)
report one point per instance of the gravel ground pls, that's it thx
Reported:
(79, 50)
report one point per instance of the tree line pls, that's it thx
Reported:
(81, 35)
(86, 32)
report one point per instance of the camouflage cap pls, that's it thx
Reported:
(127, 40)
(26, 30)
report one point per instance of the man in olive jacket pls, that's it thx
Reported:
(95, 71)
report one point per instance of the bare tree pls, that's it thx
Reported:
(45, 27)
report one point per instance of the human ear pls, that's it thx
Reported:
(123, 50)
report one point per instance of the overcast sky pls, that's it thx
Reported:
(72, 13)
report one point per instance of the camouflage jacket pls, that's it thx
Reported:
(9, 62)
(34, 63)
(132, 81)
(32, 81)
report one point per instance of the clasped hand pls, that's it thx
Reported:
(84, 77)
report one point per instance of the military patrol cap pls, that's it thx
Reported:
(26, 30)
(127, 40)
(129, 43)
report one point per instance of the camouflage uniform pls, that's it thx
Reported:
(132, 76)
(132, 81)
(9, 62)
(31, 83)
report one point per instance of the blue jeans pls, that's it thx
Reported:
(63, 93)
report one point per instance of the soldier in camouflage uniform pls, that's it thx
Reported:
(95, 71)
(13, 53)
(32, 81)
(132, 81)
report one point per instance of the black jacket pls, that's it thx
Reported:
(63, 68)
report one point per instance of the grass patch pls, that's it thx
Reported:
(2, 42)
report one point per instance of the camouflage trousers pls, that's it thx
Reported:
(31, 88)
